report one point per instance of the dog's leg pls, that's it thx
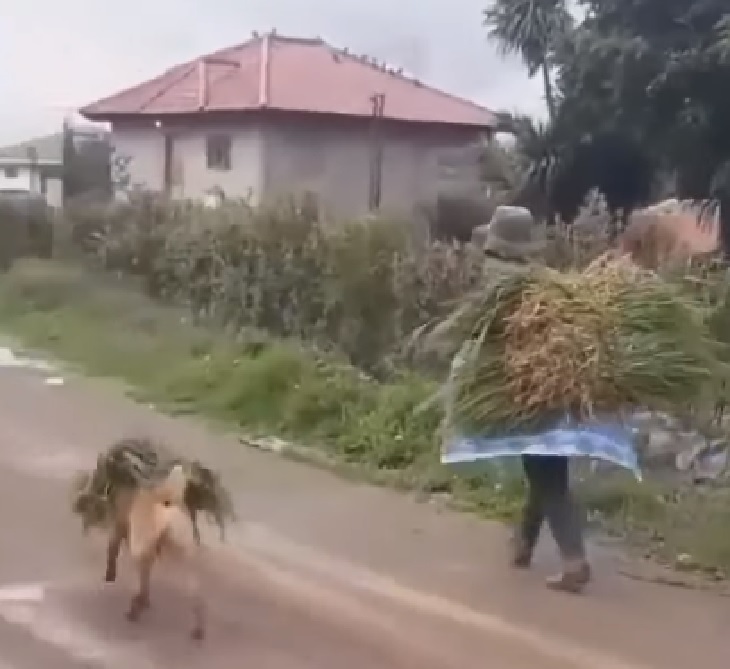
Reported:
(196, 596)
(194, 520)
(198, 631)
(141, 600)
(119, 532)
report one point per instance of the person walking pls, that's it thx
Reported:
(549, 498)
(512, 242)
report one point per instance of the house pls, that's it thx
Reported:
(282, 115)
(34, 166)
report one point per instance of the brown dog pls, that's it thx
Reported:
(155, 521)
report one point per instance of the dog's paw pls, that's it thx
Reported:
(139, 603)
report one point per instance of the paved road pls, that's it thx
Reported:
(318, 573)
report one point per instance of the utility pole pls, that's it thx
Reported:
(376, 151)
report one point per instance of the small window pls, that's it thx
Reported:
(11, 172)
(218, 152)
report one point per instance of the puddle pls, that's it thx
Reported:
(9, 359)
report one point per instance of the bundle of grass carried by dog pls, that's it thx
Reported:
(541, 345)
(136, 462)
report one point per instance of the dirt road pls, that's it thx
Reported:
(318, 573)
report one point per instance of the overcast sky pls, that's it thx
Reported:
(61, 54)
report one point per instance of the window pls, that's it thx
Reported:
(218, 152)
(11, 172)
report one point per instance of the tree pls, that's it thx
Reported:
(69, 156)
(532, 29)
(86, 164)
(531, 155)
(643, 87)
(658, 71)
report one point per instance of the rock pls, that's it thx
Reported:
(659, 448)
(685, 562)
(504, 211)
(709, 461)
(665, 442)
(479, 234)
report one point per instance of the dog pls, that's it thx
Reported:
(154, 520)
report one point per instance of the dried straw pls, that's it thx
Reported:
(544, 344)
(131, 463)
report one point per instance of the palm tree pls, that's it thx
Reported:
(531, 29)
(533, 155)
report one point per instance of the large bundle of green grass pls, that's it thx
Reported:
(540, 345)
(134, 462)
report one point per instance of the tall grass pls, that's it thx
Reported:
(360, 287)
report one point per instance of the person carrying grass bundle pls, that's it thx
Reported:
(511, 245)
(550, 365)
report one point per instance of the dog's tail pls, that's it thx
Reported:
(159, 516)
(171, 491)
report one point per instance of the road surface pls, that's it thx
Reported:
(318, 572)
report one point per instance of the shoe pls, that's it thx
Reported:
(520, 553)
(573, 579)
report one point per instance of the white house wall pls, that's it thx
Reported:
(22, 181)
(54, 192)
(333, 161)
(145, 147)
(291, 154)
(31, 180)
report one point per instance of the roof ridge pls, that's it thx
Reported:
(295, 40)
(259, 54)
(398, 73)
(259, 37)
(185, 70)
(264, 71)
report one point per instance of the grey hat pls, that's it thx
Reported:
(512, 233)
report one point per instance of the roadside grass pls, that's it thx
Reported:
(339, 417)
(679, 525)
(264, 386)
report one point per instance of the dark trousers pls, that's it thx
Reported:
(549, 498)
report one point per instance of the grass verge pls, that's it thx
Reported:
(262, 385)
(266, 386)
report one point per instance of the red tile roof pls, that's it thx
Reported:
(288, 74)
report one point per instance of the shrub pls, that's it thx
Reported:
(26, 227)
(359, 287)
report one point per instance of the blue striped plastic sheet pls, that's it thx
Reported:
(612, 442)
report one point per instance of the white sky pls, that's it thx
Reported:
(61, 54)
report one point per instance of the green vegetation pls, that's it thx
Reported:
(340, 416)
(264, 385)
